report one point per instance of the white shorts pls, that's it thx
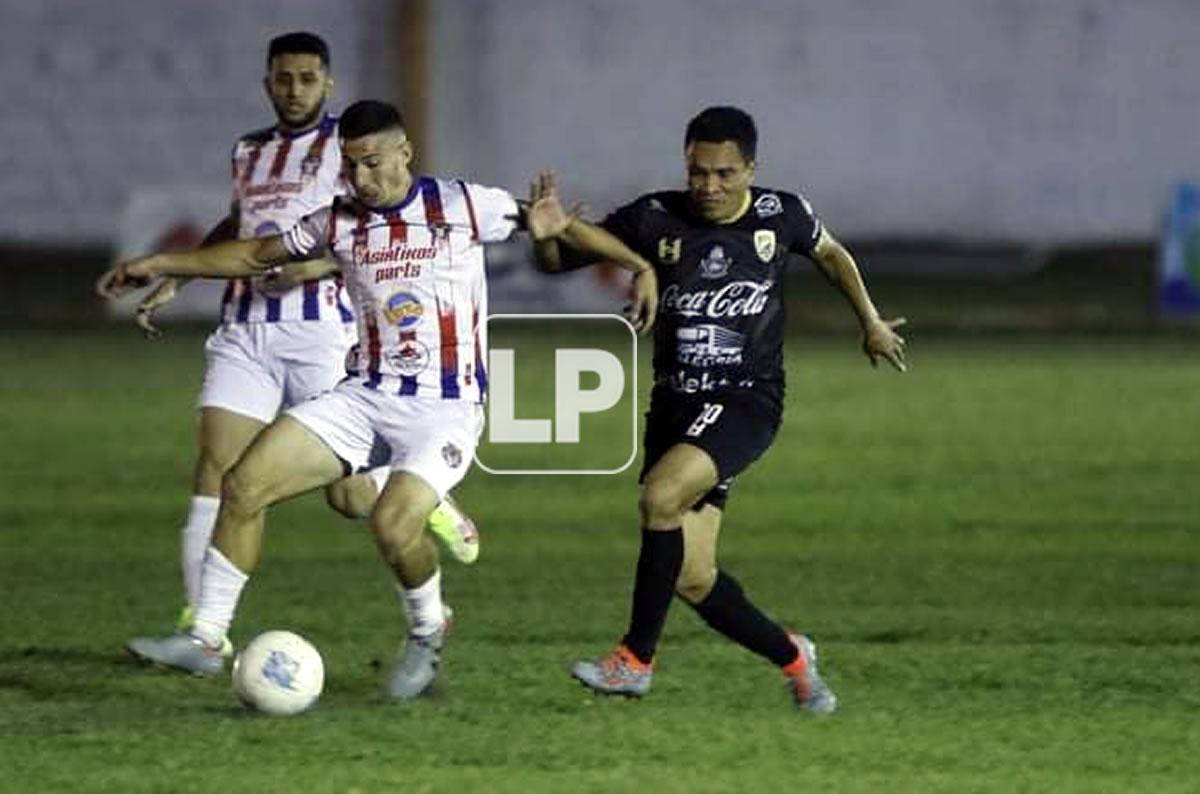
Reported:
(254, 369)
(433, 439)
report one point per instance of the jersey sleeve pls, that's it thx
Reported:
(803, 225)
(495, 211)
(309, 238)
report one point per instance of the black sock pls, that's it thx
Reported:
(658, 567)
(727, 610)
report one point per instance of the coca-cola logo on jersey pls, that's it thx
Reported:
(735, 299)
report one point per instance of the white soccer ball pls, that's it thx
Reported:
(278, 673)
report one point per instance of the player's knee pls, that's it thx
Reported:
(662, 502)
(396, 525)
(352, 497)
(242, 492)
(211, 469)
(695, 582)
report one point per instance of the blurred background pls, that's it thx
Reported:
(995, 164)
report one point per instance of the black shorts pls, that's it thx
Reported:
(735, 428)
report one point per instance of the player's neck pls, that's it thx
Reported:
(743, 207)
(401, 192)
(300, 129)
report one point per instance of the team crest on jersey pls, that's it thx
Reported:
(403, 310)
(715, 263)
(452, 455)
(309, 166)
(410, 357)
(764, 244)
(768, 204)
(669, 250)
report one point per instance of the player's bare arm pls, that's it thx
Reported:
(232, 259)
(879, 335)
(283, 279)
(549, 224)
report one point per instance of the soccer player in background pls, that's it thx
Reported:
(720, 248)
(284, 335)
(412, 253)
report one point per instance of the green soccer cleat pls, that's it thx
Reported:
(455, 530)
(187, 616)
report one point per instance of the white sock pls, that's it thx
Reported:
(423, 606)
(220, 587)
(197, 533)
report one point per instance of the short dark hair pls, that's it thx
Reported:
(299, 43)
(724, 123)
(367, 117)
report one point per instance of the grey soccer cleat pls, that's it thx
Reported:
(619, 673)
(809, 691)
(418, 665)
(179, 651)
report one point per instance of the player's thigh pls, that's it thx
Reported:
(223, 436)
(677, 480)
(286, 459)
(700, 530)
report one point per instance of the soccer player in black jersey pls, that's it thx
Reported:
(719, 249)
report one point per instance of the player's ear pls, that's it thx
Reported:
(406, 151)
(328, 86)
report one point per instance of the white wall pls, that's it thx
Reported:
(104, 97)
(1012, 119)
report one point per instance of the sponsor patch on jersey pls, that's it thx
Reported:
(410, 357)
(403, 310)
(452, 455)
(767, 205)
(669, 250)
(715, 263)
(764, 244)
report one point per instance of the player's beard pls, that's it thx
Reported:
(307, 121)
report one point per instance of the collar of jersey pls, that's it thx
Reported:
(408, 199)
(291, 136)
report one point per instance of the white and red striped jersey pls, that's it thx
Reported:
(279, 177)
(415, 273)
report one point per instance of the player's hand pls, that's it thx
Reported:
(163, 294)
(644, 309)
(124, 278)
(546, 217)
(880, 340)
(278, 281)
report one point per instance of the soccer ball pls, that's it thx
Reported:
(278, 673)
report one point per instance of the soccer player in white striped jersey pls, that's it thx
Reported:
(284, 335)
(412, 253)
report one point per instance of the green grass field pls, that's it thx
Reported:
(998, 554)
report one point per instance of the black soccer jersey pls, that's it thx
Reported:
(721, 316)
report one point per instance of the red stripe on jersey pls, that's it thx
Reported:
(397, 229)
(432, 197)
(373, 346)
(281, 156)
(470, 210)
(316, 150)
(449, 351)
(251, 163)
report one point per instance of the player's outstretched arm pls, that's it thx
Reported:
(231, 259)
(550, 224)
(880, 339)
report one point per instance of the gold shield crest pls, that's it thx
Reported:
(764, 244)
(669, 250)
